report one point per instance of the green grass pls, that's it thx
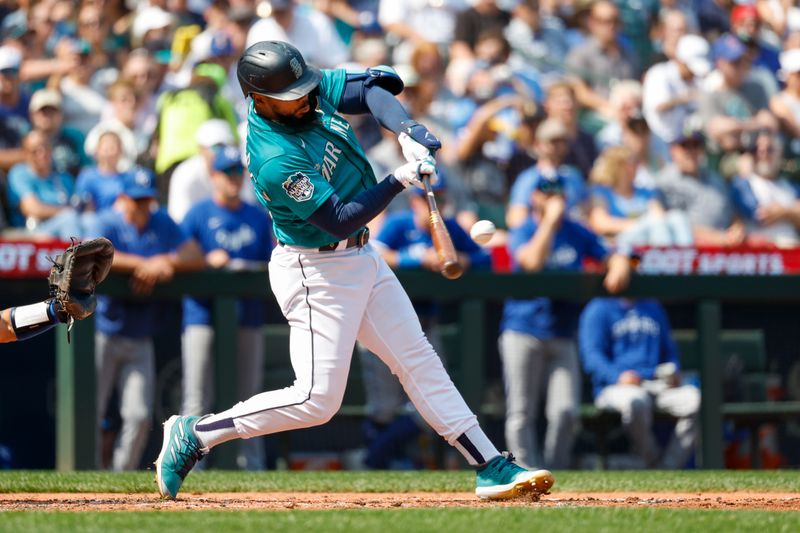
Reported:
(596, 520)
(425, 481)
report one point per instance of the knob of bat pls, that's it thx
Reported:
(452, 270)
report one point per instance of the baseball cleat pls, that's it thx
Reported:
(180, 451)
(501, 479)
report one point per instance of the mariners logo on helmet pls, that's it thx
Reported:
(296, 67)
(299, 187)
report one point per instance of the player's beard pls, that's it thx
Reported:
(307, 118)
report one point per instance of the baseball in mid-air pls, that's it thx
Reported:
(482, 231)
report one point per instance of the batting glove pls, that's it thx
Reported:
(416, 141)
(410, 173)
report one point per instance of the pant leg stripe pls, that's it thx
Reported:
(470, 448)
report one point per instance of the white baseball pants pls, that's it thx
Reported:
(332, 299)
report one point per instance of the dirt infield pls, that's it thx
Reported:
(239, 501)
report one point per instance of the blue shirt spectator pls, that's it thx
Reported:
(34, 188)
(542, 317)
(134, 318)
(617, 334)
(245, 235)
(98, 188)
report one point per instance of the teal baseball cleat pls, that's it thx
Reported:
(501, 479)
(180, 451)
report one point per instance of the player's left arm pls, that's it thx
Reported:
(373, 91)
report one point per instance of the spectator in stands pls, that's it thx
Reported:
(182, 112)
(601, 61)
(786, 107)
(671, 89)
(151, 248)
(304, 27)
(406, 243)
(627, 349)
(560, 103)
(537, 41)
(627, 214)
(480, 17)
(690, 186)
(191, 181)
(413, 23)
(82, 103)
(99, 185)
(673, 24)
(123, 107)
(536, 341)
(738, 104)
(38, 195)
(745, 25)
(232, 235)
(142, 71)
(550, 147)
(768, 203)
(13, 109)
(67, 143)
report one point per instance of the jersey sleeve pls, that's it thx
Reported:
(292, 181)
(592, 245)
(188, 225)
(331, 88)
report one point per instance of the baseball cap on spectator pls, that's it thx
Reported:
(218, 44)
(742, 12)
(214, 132)
(551, 129)
(139, 183)
(227, 159)
(692, 51)
(281, 4)
(790, 63)
(44, 98)
(215, 72)
(149, 18)
(10, 58)
(728, 48)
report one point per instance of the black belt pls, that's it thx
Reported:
(358, 240)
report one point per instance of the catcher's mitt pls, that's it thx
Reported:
(75, 274)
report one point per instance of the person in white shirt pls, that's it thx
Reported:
(419, 21)
(671, 88)
(191, 181)
(308, 30)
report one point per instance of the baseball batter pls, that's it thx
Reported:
(309, 170)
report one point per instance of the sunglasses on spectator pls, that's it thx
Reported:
(49, 109)
(11, 72)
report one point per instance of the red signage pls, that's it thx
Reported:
(28, 259)
(733, 261)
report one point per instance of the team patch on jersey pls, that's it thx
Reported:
(299, 187)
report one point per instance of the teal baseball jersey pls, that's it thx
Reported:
(294, 170)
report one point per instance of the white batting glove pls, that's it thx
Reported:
(410, 173)
(412, 150)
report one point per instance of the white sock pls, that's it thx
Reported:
(476, 447)
(215, 429)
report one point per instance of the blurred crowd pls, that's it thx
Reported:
(576, 126)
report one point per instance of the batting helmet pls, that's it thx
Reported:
(276, 69)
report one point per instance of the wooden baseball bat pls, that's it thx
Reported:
(451, 268)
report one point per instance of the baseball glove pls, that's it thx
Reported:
(76, 273)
